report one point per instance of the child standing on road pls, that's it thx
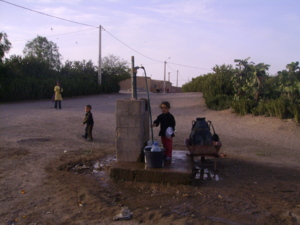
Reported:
(89, 121)
(57, 95)
(167, 122)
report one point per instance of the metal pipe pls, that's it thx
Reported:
(133, 80)
(149, 105)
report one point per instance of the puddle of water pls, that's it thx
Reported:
(98, 167)
(101, 168)
(205, 174)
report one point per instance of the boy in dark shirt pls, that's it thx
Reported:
(89, 121)
(166, 120)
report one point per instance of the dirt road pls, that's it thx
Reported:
(50, 175)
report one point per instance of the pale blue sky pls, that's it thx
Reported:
(195, 33)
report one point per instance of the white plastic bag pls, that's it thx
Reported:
(169, 132)
(155, 147)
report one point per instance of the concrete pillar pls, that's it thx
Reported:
(132, 129)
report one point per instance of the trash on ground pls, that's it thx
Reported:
(80, 203)
(12, 222)
(125, 214)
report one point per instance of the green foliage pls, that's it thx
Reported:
(114, 70)
(115, 66)
(34, 76)
(294, 109)
(249, 89)
(249, 79)
(218, 102)
(29, 78)
(281, 107)
(79, 78)
(5, 45)
(43, 50)
(289, 81)
(216, 87)
(243, 106)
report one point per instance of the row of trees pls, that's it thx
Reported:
(33, 75)
(248, 88)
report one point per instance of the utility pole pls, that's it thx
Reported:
(133, 80)
(169, 76)
(164, 86)
(165, 63)
(99, 59)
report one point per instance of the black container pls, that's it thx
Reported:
(200, 134)
(154, 159)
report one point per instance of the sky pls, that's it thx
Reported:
(191, 36)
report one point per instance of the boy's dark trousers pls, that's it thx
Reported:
(88, 131)
(59, 104)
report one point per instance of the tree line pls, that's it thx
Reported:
(248, 89)
(33, 76)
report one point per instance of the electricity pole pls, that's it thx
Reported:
(165, 63)
(99, 59)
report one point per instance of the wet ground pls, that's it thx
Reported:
(50, 175)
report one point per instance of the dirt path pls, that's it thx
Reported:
(46, 168)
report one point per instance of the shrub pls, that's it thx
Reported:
(260, 109)
(281, 107)
(218, 102)
(243, 106)
(294, 109)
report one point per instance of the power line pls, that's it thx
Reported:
(80, 24)
(189, 66)
(56, 35)
(181, 77)
(132, 48)
(149, 64)
(170, 67)
(71, 21)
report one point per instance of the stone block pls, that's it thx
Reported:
(136, 108)
(130, 107)
(122, 107)
(129, 150)
(132, 129)
(130, 133)
(130, 121)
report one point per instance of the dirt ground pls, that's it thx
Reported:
(50, 175)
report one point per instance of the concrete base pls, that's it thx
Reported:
(178, 171)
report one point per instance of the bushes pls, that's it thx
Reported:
(294, 109)
(30, 78)
(282, 108)
(248, 89)
(34, 76)
(243, 106)
(218, 102)
(216, 87)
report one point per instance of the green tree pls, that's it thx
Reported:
(115, 66)
(249, 79)
(5, 45)
(79, 78)
(114, 69)
(289, 80)
(44, 50)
